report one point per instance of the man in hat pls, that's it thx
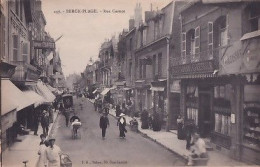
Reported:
(121, 123)
(53, 153)
(45, 122)
(103, 124)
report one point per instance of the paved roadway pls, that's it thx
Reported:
(91, 150)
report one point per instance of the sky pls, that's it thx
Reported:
(83, 33)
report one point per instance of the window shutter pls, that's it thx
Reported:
(227, 26)
(25, 52)
(183, 45)
(15, 47)
(197, 40)
(210, 39)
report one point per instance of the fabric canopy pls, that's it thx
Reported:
(45, 92)
(94, 91)
(12, 97)
(51, 88)
(36, 98)
(158, 89)
(104, 92)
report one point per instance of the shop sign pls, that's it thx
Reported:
(43, 45)
(194, 68)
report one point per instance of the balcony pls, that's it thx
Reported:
(199, 57)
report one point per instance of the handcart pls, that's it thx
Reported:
(75, 127)
(65, 161)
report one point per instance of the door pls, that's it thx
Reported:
(204, 114)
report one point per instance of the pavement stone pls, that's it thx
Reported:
(27, 149)
(170, 141)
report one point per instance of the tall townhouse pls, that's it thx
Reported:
(218, 73)
(151, 56)
(21, 92)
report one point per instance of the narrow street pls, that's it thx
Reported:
(135, 150)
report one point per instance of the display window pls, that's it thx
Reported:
(192, 113)
(252, 116)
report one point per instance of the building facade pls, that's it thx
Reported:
(218, 74)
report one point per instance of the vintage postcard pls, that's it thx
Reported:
(130, 83)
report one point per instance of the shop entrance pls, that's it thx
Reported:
(204, 114)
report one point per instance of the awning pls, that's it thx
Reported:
(95, 91)
(12, 97)
(127, 88)
(158, 89)
(52, 89)
(250, 35)
(45, 92)
(36, 98)
(104, 92)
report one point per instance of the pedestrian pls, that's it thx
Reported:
(37, 119)
(45, 122)
(106, 108)
(180, 123)
(118, 110)
(198, 149)
(41, 152)
(103, 124)
(189, 129)
(53, 153)
(65, 113)
(121, 123)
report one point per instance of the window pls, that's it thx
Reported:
(222, 124)
(210, 39)
(156, 29)
(159, 64)
(15, 47)
(154, 66)
(2, 35)
(21, 10)
(140, 68)
(190, 45)
(144, 70)
(183, 45)
(254, 17)
(223, 31)
(130, 69)
(17, 7)
(144, 36)
(192, 113)
(130, 44)
(219, 91)
(197, 40)
(25, 52)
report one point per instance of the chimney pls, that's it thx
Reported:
(131, 24)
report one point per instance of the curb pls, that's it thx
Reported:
(154, 140)
(53, 125)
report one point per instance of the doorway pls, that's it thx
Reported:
(204, 114)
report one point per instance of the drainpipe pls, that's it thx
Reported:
(168, 85)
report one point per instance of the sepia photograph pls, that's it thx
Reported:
(129, 83)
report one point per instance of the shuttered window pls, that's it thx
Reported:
(210, 39)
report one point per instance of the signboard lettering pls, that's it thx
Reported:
(43, 45)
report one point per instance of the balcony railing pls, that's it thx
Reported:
(25, 64)
(199, 57)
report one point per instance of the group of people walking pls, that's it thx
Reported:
(49, 153)
(104, 124)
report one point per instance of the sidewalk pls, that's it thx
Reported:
(170, 141)
(27, 149)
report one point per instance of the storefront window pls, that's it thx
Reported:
(192, 113)
(252, 115)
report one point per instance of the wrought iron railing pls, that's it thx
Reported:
(199, 57)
